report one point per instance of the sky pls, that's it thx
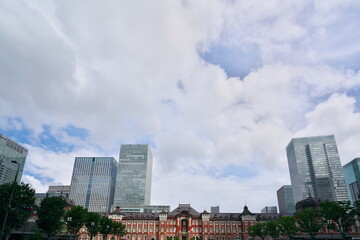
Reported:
(217, 88)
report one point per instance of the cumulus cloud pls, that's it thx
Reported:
(89, 76)
(337, 116)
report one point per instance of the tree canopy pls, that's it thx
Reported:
(75, 218)
(50, 214)
(340, 216)
(272, 229)
(118, 229)
(105, 226)
(21, 206)
(309, 221)
(258, 229)
(92, 223)
(287, 226)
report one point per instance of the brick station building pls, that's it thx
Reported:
(185, 223)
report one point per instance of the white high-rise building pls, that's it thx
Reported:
(315, 169)
(12, 159)
(93, 183)
(133, 183)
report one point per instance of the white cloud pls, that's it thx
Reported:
(131, 72)
(337, 116)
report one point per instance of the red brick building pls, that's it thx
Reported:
(183, 223)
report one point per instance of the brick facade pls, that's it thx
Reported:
(185, 223)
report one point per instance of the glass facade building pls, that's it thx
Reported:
(352, 178)
(59, 190)
(269, 209)
(286, 199)
(315, 169)
(133, 183)
(93, 183)
(11, 151)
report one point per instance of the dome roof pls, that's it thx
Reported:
(307, 203)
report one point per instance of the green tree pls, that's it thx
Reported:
(272, 229)
(105, 225)
(21, 206)
(340, 215)
(37, 234)
(92, 223)
(75, 219)
(259, 229)
(50, 214)
(287, 226)
(118, 229)
(309, 221)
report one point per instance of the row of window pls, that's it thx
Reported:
(222, 229)
(173, 222)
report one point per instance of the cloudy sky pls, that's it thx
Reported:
(217, 88)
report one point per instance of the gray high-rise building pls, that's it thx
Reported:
(58, 190)
(12, 159)
(285, 199)
(269, 209)
(352, 178)
(315, 169)
(133, 183)
(93, 183)
(53, 191)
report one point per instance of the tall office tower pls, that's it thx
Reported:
(352, 178)
(53, 191)
(93, 183)
(133, 183)
(269, 209)
(315, 169)
(286, 199)
(12, 159)
(59, 190)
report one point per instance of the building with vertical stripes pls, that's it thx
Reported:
(12, 159)
(93, 183)
(352, 178)
(315, 169)
(285, 199)
(133, 184)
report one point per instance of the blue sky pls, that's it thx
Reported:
(217, 88)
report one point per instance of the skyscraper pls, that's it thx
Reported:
(12, 159)
(269, 209)
(315, 168)
(93, 183)
(133, 183)
(286, 199)
(352, 178)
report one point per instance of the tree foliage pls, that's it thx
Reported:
(258, 229)
(272, 229)
(118, 229)
(339, 215)
(21, 205)
(309, 221)
(75, 218)
(287, 226)
(50, 214)
(105, 226)
(92, 223)
(37, 234)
